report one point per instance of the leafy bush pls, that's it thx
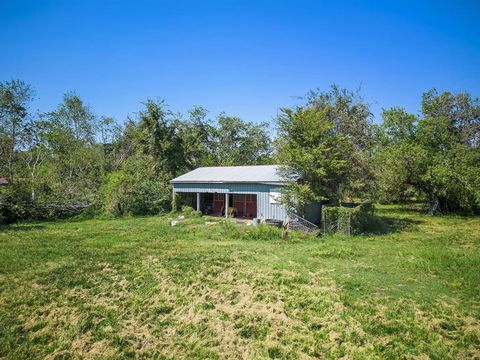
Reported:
(176, 202)
(348, 220)
(16, 205)
(136, 189)
(89, 212)
(187, 210)
(190, 211)
(262, 232)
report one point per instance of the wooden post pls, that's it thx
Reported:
(198, 201)
(226, 205)
(174, 200)
(285, 226)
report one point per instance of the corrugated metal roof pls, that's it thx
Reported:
(232, 174)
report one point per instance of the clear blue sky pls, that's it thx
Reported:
(246, 58)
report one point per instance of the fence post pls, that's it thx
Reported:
(348, 223)
(323, 221)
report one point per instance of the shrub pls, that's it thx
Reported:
(187, 210)
(176, 202)
(7, 214)
(15, 204)
(348, 220)
(89, 212)
(190, 211)
(136, 189)
(262, 232)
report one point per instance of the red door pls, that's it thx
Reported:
(218, 203)
(251, 205)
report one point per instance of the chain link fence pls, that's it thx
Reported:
(347, 220)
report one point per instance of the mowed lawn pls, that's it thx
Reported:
(138, 287)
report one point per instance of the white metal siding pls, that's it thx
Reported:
(265, 210)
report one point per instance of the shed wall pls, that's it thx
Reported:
(265, 210)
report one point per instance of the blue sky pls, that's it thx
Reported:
(247, 58)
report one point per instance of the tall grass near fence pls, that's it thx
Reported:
(348, 220)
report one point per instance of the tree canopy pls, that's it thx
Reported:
(326, 143)
(70, 155)
(435, 156)
(68, 159)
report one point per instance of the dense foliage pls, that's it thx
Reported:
(58, 163)
(350, 220)
(435, 156)
(64, 161)
(333, 152)
(325, 144)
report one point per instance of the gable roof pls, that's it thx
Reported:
(232, 174)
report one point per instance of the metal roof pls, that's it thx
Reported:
(232, 174)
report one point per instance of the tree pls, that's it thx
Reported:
(77, 118)
(136, 188)
(15, 96)
(157, 136)
(34, 153)
(198, 139)
(326, 143)
(461, 109)
(352, 119)
(398, 158)
(76, 159)
(108, 135)
(398, 126)
(436, 155)
(241, 143)
(313, 156)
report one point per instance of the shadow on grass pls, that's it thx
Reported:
(402, 209)
(14, 228)
(387, 225)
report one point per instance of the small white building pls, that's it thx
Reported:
(253, 191)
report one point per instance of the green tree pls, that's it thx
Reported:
(136, 189)
(156, 135)
(15, 96)
(398, 158)
(75, 163)
(327, 144)
(77, 118)
(437, 155)
(35, 151)
(198, 139)
(239, 142)
(313, 156)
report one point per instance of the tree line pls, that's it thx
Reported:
(70, 160)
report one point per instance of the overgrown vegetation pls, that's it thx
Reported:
(326, 143)
(332, 146)
(138, 287)
(71, 159)
(350, 220)
(436, 155)
(61, 162)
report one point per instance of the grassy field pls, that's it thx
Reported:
(139, 288)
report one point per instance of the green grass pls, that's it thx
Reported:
(138, 287)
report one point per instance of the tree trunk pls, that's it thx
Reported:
(33, 188)
(434, 206)
(11, 156)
